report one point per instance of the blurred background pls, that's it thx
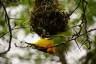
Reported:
(19, 12)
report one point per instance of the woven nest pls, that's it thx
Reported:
(49, 21)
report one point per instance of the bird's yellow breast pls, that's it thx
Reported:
(47, 44)
(44, 43)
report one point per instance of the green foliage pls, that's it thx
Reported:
(2, 22)
(11, 3)
(91, 11)
(2, 18)
(3, 31)
(57, 40)
(93, 60)
(18, 2)
(74, 22)
(28, 2)
(23, 22)
(70, 5)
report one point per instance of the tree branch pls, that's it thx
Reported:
(75, 8)
(9, 27)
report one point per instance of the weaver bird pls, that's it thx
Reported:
(45, 46)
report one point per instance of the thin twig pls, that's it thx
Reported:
(71, 39)
(75, 8)
(16, 18)
(12, 30)
(9, 27)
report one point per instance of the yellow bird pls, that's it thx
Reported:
(45, 46)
